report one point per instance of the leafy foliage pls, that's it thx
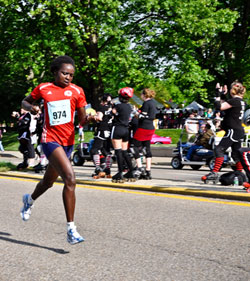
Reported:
(177, 47)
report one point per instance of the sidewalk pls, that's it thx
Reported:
(191, 188)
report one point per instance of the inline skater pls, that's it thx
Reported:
(144, 133)
(120, 134)
(232, 125)
(102, 140)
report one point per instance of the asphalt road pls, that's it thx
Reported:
(130, 235)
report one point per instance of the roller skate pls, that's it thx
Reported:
(148, 175)
(130, 176)
(98, 173)
(118, 178)
(107, 173)
(39, 168)
(214, 177)
(139, 173)
(22, 166)
(246, 186)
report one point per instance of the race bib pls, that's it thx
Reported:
(59, 112)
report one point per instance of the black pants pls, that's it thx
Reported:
(144, 145)
(27, 149)
(232, 138)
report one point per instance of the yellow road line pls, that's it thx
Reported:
(144, 193)
(166, 195)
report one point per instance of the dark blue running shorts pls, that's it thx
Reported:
(49, 147)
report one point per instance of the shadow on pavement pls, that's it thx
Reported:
(58, 251)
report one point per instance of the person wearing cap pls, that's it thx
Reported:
(120, 134)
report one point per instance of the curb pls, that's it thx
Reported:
(151, 188)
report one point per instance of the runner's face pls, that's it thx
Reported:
(65, 75)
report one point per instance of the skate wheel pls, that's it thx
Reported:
(108, 176)
(96, 177)
(102, 174)
(132, 180)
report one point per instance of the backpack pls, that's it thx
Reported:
(228, 178)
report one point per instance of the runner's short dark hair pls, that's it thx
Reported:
(57, 63)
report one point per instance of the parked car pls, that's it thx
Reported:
(160, 140)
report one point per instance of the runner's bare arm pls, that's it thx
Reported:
(27, 104)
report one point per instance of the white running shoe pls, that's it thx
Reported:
(73, 237)
(26, 209)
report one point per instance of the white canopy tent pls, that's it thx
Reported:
(194, 106)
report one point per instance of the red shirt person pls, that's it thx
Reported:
(61, 99)
(59, 104)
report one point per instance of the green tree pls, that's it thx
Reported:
(89, 31)
(134, 42)
(168, 34)
(226, 55)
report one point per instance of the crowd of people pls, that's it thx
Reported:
(122, 128)
(176, 119)
(122, 131)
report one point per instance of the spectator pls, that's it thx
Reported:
(191, 126)
(202, 141)
(180, 117)
(1, 136)
(210, 113)
(81, 133)
(217, 120)
(205, 112)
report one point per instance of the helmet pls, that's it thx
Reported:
(246, 117)
(126, 92)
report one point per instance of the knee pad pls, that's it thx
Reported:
(135, 151)
(148, 153)
(146, 149)
(219, 151)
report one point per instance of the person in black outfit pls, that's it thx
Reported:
(43, 162)
(145, 131)
(244, 154)
(232, 125)
(102, 140)
(24, 138)
(120, 134)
